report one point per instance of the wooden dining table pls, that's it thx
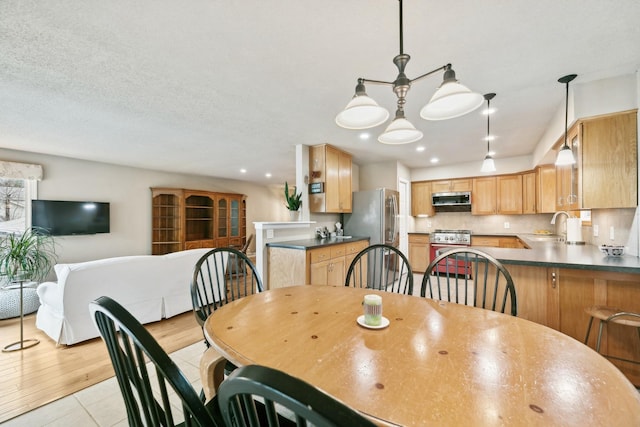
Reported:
(436, 363)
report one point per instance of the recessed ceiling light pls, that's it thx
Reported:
(435, 160)
(243, 171)
(420, 148)
(489, 138)
(268, 174)
(365, 135)
(487, 111)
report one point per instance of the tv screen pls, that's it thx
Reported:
(65, 218)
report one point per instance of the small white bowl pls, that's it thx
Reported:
(612, 250)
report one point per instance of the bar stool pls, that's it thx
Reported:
(614, 315)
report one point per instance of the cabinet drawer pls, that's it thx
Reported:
(338, 251)
(356, 247)
(418, 238)
(319, 255)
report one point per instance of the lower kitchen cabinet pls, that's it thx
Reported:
(557, 297)
(419, 252)
(324, 265)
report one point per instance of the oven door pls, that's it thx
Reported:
(450, 266)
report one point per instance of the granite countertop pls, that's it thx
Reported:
(548, 252)
(306, 244)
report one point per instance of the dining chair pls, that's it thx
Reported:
(256, 395)
(220, 276)
(152, 391)
(486, 283)
(382, 267)
(608, 315)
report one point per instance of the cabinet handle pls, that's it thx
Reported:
(553, 280)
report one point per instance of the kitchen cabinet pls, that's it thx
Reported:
(188, 219)
(421, 199)
(509, 194)
(557, 297)
(448, 185)
(501, 194)
(331, 168)
(498, 242)
(483, 196)
(529, 192)
(323, 265)
(419, 252)
(610, 161)
(546, 189)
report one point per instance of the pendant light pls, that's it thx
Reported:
(450, 100)
(565, 155)
(488, 164)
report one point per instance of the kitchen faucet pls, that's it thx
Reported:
(553, 219)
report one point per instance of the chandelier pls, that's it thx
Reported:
(450, 100)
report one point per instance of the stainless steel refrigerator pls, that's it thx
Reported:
(374, 214)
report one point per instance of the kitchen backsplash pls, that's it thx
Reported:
(622, 220)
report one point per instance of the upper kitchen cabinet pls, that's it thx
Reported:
(331, 172)
(546, 189)
(500, 194)
(568, 178)
(421, 199)
(509, 194)
(529, 192)
(483, 196)
(610, 161)
(449, 185)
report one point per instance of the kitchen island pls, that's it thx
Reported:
(312, 261)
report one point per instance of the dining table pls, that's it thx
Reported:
(430, 362)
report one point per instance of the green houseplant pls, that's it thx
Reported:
(294, 201)
(26, 256)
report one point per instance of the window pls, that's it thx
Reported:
(18, 186)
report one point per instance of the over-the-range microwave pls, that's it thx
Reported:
(456, 198)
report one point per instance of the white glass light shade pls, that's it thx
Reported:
(488, 165)
(400, 131)
(565, 157)
(361, 112)
(452, 99)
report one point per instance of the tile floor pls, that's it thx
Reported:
(102, 404)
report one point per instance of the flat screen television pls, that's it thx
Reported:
(66, 218)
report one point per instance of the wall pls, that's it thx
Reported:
(127, 190)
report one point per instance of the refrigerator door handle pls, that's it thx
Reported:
(394, 212)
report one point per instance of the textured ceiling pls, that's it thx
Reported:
(210, 87)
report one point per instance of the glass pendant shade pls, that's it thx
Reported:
(451, 100)
(400, 131)
(488, 165)
(565, 157)
(362, 112)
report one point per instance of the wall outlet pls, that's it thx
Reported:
(612, 234)
(507, 225)
(596, 230)
(428, 224)
(269, 234)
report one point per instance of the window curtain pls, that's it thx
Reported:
(20, 171)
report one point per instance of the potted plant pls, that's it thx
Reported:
(26, 256)
(293, 201)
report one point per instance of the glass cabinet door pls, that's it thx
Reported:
(235, 218)
(223, 223)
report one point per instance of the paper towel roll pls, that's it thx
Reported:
(574, 230)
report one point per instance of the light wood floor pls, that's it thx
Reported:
(39, 375)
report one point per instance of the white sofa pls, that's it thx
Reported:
(151, 287)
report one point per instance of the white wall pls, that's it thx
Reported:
(128, 191)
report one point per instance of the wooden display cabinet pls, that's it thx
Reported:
(190, 219)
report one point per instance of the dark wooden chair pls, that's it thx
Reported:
(130, 347)
(220, 276)
(468, 276)
(259, 396)
(381, 267)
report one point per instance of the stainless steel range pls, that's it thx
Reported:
(452, 237)
(442, 239)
